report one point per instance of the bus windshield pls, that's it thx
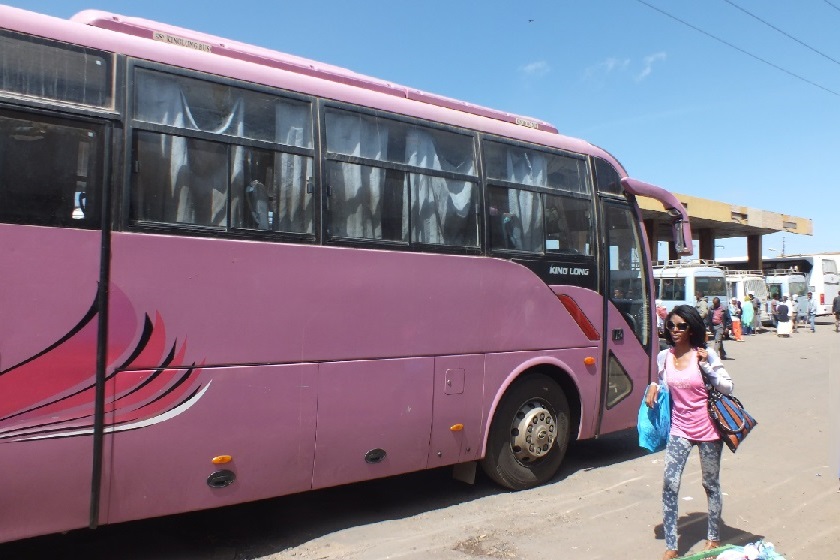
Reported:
(799, 288)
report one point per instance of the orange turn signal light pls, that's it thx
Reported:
(456, 427)
(221, 459)
(589, 360)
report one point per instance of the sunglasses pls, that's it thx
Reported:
(679, 326)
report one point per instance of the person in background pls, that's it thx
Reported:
(782, 318)
(812, 312)
(747, 311)
(735, 314)
(774, 314)
(835, 308)
(756, 322)
(701, 304)
(718, 321)
(802, 310)
(681, 368)
(794, 312)
(661, 313)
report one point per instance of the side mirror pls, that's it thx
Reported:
(682, 239)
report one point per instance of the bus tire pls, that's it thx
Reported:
(529, 434)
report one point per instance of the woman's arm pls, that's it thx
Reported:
(712, 366)
(653, 388)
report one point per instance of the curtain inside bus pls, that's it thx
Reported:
(189, 180)
(372, 202)
(440, 207)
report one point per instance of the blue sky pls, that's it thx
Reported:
(720, 105)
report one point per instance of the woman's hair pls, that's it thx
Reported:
(696, 326)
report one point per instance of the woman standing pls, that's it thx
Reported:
(747, 312)
(735, 313)
(681, 368)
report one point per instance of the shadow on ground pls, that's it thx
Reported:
(261, 528)
(692, 530)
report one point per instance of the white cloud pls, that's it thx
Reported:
(648, 65)
(605, 67)
(538, 68)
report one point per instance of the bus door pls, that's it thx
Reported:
(52, 170)
(627, 319)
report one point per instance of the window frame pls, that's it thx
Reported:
(409, 245)
(132, 124)
(116, 102)
(102, 168)
(542, 191)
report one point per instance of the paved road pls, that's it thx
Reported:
(605, 504)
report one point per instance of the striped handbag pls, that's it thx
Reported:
(732, 421)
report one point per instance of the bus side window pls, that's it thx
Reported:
(180, 180)
(568, 227)
(515, 220)
(48, 172)
(679, 289)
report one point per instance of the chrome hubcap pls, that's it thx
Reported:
(533, 432)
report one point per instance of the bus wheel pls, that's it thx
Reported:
(529, 434)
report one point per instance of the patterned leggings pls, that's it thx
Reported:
(676, 455)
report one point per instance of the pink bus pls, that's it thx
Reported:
(230, 274)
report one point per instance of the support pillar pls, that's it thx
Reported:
(653, 242)
(706, 244)
(754, 252)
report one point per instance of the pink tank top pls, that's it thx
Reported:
(689, 415)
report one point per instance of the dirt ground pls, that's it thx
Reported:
(781, 486)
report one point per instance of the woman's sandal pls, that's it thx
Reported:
(711, 545)
(670, 555)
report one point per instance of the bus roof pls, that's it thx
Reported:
(159, 42)
(222, 47)
(685, 268)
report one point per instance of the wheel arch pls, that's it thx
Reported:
(558, 371)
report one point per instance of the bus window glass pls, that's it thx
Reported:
(193, 104)
(568, 225)
(443, 211)
(386, 140)
(367, 202)
(673, 289)
(710, 286)
(269, 191)
(53, 70)
(798, 288)
(180, 180)
(515, 220)
(536, 169)
(439, 150)
(49, 172)
(627, 279)
(829, 266)
(385, 175)
(606, 177)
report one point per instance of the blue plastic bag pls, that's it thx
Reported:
(654, 424)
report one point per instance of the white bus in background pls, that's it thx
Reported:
(677, 282)
(789, 282)
(820, 270)
(740, 283)
(824, 280)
